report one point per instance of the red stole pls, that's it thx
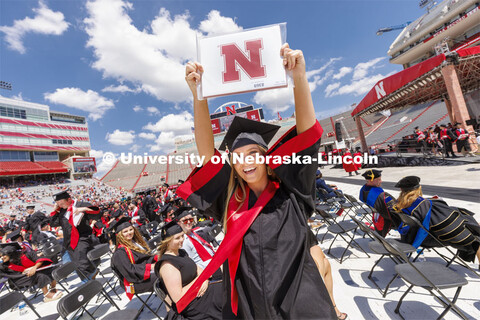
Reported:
(231, 247)
(129, 289)
(202, 252)
(74, 235)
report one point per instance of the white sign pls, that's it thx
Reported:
(242, 62)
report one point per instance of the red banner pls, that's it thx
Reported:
(253, 115)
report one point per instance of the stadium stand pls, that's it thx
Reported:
(28, 167)
(403, 122)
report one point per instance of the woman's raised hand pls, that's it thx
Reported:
(193, 71)
(293, 60)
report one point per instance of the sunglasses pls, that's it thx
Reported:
(190, 220)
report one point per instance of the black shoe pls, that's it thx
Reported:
(454, 156)
(447, 156)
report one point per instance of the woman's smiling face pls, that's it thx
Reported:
(250, 173)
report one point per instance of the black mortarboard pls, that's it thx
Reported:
(121, 224)
(171, 229)
(408, 183)
(14, 235)
(9, 248)
(416, 128)
(166, 185)
(180, 181)
(182, 212)
(13, 215)
(61, 195)
(443, 125)
(244, 131)
(30, 207)
(371, 174)
(457, 123)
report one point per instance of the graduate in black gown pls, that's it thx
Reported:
(77, 240)
(449, 225)
(22, 270)
(270, 272)
(132, 259)
(373, 195)
(178, 272)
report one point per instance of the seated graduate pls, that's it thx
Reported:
(447, 224)
(132, 259)
(21, 269)
(321, 185)
(197, 248)
(372, 194)
(178, 272)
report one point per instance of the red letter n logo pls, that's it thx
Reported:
(250, 63)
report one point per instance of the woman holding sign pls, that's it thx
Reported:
(270, 272)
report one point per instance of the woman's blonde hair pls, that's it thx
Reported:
(137, 237)
(236, 187)
(406, 198)
(163, 246)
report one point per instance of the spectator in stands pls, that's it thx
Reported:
(178, 272)
(462, 140)
(261, 206)
(373, 195)
(197, 248)
(21, 270)
(132, 259)
(449, 225)
(447, 137)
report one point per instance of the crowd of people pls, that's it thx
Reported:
(268, 265)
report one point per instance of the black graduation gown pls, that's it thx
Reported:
(208, 306)
(138, 273)
(85, 244)
(448, 225)
(382, 205)
(18, 280)
(276, 276)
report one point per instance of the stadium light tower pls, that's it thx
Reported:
(5, 85)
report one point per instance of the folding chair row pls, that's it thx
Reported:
(415, 223)
(341, 229)
(137, 295)
(11, 299)
(377, 247)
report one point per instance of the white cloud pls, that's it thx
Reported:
(280, 100)
(90, 101)
(96, 153)
(147, 135)
(179, 123)
(359, 87)
(153, 110)
(152, 58)
(137, 108)
(342, 72)
(45, 21)
(17, 97)
(216, 24)
(166, 141)
(134, 148)
(120, 88)
(120, 138)
(361, 69)
(276, 100)
(330, 88)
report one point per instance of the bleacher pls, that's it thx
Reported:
(402, 123)
(28, 167)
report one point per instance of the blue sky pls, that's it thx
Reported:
(120, 63)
